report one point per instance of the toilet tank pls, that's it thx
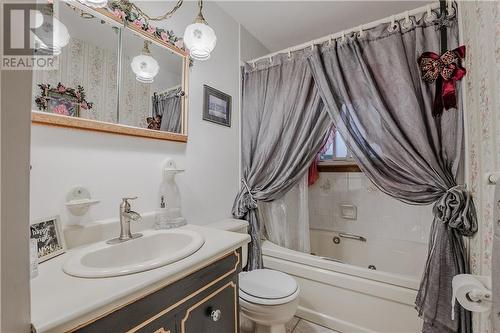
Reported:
(234, 225)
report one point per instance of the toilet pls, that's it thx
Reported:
(268, 298)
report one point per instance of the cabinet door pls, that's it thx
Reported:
(217, 312)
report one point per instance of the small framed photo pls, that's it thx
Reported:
(50, 240)
(63, 104)
(216, 106)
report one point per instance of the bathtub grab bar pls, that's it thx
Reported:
(351, 236)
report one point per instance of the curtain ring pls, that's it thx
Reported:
(343, 36)
(450, 10)
(407, 22)
(312, 46)
(253, 65)
(430, 15)
(289, 54)
(393, 26)
(361, 32)
(271, 60)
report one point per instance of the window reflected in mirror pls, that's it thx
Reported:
(151, 85)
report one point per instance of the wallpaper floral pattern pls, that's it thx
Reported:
(82, 63)
(481, 35)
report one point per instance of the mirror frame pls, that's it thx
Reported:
(50, 119)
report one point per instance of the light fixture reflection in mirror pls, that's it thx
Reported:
(144, 66)
(56, 32)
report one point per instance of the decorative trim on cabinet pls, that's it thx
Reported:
(161, 330)
(229, 284)
(173, 306)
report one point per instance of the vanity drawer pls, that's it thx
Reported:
(216, 312)
(165, 308)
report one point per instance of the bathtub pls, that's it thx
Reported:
(345, 295)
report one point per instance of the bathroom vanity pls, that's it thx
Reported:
(196, 294)
(204, 301)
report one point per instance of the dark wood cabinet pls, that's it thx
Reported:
(205, 301)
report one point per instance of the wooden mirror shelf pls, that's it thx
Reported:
(43, 118)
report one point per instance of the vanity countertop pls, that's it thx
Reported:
(60, 302)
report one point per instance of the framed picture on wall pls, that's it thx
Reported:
(63, 104)
(50, 240)
(216, 106)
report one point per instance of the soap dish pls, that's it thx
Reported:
(79, 201)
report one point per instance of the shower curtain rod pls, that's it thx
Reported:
(360, 28)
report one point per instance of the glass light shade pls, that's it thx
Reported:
(61, 36)
(58, 32)
(200, 39)
(95, 3)
(145, 68)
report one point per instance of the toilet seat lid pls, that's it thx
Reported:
(267, 284)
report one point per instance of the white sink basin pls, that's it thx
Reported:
(154, 249)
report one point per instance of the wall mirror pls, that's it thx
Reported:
(113, 77)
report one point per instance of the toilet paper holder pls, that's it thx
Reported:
(475, 293)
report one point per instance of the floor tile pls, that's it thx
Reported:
(307, 327)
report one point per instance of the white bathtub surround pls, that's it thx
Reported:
(286, 219)
(348, 298)
(378, 215)
(397, 233)
(72, 301)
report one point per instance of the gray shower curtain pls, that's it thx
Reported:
(371, 88)
(284, 125)
(168, 106)
(374, 93)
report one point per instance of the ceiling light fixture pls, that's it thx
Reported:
(144, 65)
(199, 37)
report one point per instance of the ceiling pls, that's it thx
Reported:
(281, 24)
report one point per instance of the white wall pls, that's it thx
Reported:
(113, 166)
(250, 47)
(15, 134)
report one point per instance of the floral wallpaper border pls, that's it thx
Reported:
(481, 35)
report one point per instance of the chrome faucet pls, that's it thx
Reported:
(126, 216)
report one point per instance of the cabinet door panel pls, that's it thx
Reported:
(215, 313)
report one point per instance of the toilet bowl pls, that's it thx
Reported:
(268, 298)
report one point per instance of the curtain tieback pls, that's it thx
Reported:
(252, 199)
(456, 208)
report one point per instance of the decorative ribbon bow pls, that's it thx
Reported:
(445, 70)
